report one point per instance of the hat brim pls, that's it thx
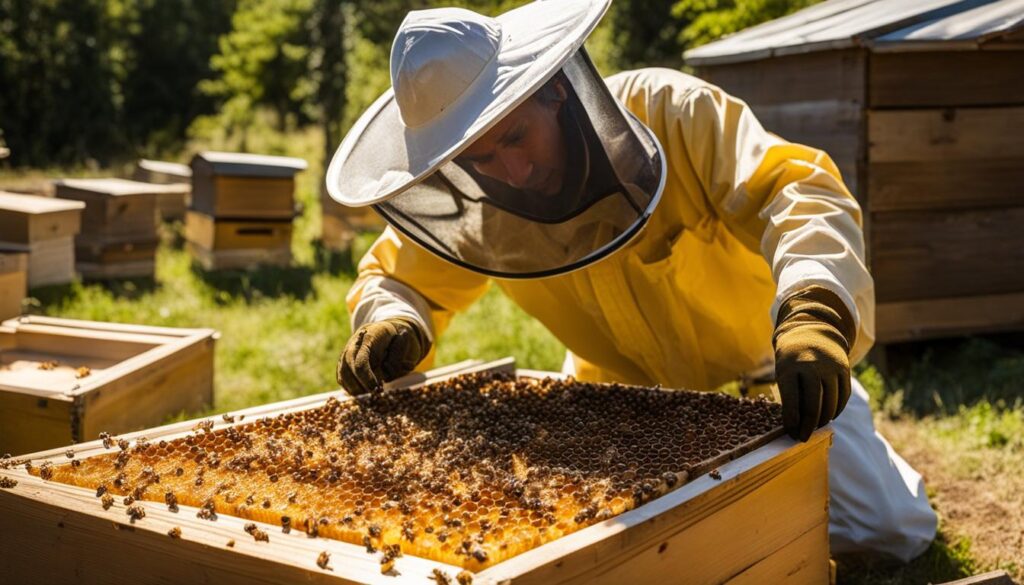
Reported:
(380, 157)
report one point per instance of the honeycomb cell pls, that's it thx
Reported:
(469, 471)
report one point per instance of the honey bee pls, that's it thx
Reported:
(107, 441)
(8, 482)
(464, 578)
(174, 532)
(70, 453)
(136, 512)
(107, 500)
(715, 474)
(440, 577)
(323, 560)
(231, 543)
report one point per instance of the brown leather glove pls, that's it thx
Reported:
(813, 336)
(380, 352)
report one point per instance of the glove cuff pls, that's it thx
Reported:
(421, 335)
(821, 304)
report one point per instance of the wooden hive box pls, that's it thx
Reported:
(250, 186)
(118, 236)
(45, 229)
(138, 376)
(936, 166)
(13, 283)
(172, 203)
(764, 521)
(238, 243)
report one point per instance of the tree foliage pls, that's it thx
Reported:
(711, 19)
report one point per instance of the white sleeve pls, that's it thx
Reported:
(384, 298)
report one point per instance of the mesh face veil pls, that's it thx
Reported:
(613, 177)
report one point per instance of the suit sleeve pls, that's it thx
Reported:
(785, 200)
(396, 277)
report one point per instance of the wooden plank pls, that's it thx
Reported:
(937, 254)
(28, 422)
(945, 79)
(990, 578)
(65, 536)
(797, 562)
(965, 184)
(49, 261)
(831, 125)
(818, 76)
(947, 135)
(113, 213)
(936, 318)
(780, 478)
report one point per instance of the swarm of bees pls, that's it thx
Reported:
(469, 471)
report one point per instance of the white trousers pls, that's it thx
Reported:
(877, 501)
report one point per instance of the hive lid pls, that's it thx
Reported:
(119, 187)
(246, 165)
(36, 204)
(842, 24)
(167, 168)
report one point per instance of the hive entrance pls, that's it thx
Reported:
(469, 471)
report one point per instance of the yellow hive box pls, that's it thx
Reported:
(758, 518)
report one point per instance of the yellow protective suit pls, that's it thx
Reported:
(746, 219)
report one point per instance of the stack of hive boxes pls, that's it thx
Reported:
(172, 203)
(118, 237)
(242, 209)
(45, 229)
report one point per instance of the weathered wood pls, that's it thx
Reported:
(948, 135)
(137, 377)
(116, 210)
(939, 184)
(820, 76)
(936, 318)
(946, 79)
(937, 254)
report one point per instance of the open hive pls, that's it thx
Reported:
(468, 471)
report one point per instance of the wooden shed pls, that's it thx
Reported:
(921, 105)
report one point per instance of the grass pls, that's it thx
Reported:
(952, 409)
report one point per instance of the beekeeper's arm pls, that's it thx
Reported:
(788, 202)
(403, 298)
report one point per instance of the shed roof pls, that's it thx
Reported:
(247, 165)
(874, 24)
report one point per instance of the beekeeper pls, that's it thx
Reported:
(647, 220)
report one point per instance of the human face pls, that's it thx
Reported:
(525, 150)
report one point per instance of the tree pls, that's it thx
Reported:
(712, 19)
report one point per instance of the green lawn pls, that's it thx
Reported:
(955, 412)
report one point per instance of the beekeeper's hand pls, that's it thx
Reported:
(813, 335)
(380, 352)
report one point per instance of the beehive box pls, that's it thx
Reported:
(171, 203)
(239, 185)
(238, 243)
(134, 376)
(44, 228)
(13, 283)
(753, 510)
(935, 165)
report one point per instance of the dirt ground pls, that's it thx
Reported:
(977, 490)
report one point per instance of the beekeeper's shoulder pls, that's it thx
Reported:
(641, 89)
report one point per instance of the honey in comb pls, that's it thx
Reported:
(469, 471)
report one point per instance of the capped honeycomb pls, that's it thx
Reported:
(469, 471)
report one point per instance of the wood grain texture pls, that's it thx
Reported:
(237, 234)
(937, 254)
(947, 135)
(946, 79)
(937, 318)
(939, 184)
(818, 76)
(244, 197)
